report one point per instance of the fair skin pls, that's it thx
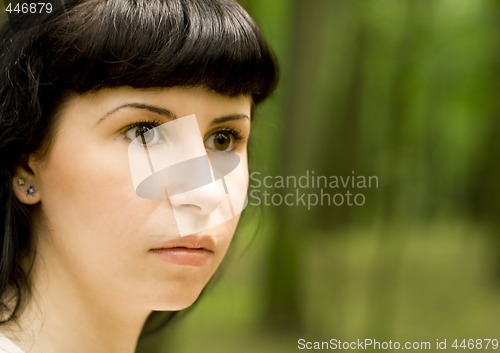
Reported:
(97, 272)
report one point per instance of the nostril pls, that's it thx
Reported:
(191, 208)
(203, 200)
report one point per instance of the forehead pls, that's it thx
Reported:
(181, 101)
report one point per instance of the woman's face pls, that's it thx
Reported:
(94, 233)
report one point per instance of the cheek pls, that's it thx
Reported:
(83, 187)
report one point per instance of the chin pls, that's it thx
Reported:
(174, 306)
(180, 302)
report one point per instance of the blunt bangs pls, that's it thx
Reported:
(157, 43)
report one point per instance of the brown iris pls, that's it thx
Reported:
(222, 141)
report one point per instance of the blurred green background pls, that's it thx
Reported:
(405, 90)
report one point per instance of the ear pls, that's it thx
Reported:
(24, 183)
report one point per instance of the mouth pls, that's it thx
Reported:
(191, 242)
(190, 250)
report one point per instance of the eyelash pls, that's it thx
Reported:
(151, 124)
(236, 133)
(147, 123)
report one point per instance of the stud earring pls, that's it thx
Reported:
(31, 190)
(20, 182)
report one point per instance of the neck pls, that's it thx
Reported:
(61, 317)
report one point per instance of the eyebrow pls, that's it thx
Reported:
(168, 114)
(161, 111)
(225, 119)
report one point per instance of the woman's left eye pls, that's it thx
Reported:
(222, 140)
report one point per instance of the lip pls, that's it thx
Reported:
(190, 250)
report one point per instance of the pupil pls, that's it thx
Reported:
(144, 133)
(222, 141)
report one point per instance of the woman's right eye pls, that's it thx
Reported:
(144, 133)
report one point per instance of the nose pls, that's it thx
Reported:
(191, 186)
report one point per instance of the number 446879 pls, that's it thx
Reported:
(475, 344)
(40, 7)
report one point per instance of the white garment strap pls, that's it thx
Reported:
(7, 346)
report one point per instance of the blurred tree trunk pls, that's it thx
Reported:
(483, 197)
(336, 149)
(285, 259)
(390, 251)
